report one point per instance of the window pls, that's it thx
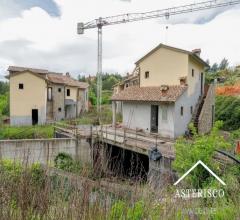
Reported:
(59, 109)
(181, 110)
(49, 93)
(68, 92)
(192, 72)
(191, 109)
(146, 74)
(20, 86)
(59, 89)
(164, 113)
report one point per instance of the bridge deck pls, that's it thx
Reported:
(138, 141)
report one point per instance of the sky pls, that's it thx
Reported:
(42, 34)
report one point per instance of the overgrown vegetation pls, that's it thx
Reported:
(202, 147)
(108, 80)
(26, 132)
(222, 71)
(228, 110)
(92, 116)
(4, 99)
(28, 192)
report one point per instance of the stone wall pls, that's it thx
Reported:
(206, 118)
(44, 150)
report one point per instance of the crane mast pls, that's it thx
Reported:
(131, 17)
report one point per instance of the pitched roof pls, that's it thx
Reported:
(53, 77)
(22, 69)
(150, 94)
(66, 80)
(190, 53)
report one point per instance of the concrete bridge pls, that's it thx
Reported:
(149, 154)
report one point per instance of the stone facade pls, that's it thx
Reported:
(206, 117)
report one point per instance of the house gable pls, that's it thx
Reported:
(163, 66)
(32, 94)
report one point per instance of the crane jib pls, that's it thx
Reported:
(131, 17)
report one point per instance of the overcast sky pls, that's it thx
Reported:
(42, 34)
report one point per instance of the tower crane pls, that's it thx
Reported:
(131, 17)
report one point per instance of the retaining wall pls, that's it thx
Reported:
(44, 150)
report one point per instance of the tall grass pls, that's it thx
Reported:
(26, 132)
(35, 192)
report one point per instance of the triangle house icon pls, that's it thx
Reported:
(193, 167)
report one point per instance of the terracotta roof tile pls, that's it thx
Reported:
(153, 94)
(53, 77)
(22, 69)
(66, 80)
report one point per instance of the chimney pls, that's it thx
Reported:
(67, 74)
(164, 88)
(197, 52)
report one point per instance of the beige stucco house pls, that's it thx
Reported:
(171, 93)
(38, 96)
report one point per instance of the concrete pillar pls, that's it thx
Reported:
(114, 113)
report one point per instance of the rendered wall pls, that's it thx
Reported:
(73, 93)
(58, 102)
(166, 127)
(137, 115)
(165, 67)
(44, 150)
(32, 96)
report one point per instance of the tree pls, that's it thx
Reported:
(214, 67)
(223, 64)
(4, 87)
(81, 78)
(109, 82)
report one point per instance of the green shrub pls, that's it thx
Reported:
(11, 170)
(65, 162)
(228, 111)
(201, 147)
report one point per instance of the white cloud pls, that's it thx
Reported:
(38, 40)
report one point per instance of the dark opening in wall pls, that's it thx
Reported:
(20, 86)
(127, 164)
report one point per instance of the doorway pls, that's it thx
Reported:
(34, 116)
(154, 118)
